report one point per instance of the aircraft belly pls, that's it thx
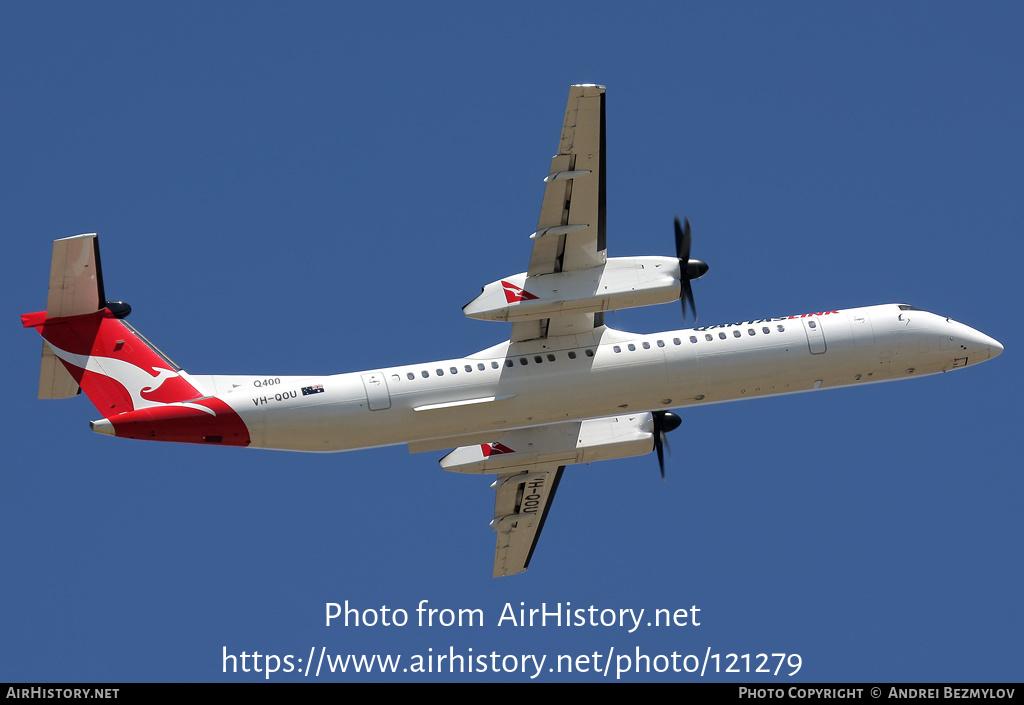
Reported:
(526, 399)
(342, 417)
(770, 369)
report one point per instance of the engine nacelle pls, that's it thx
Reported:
(622, 282)
(558, 444)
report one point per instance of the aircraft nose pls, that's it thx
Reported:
(987, 347)
(995, 348)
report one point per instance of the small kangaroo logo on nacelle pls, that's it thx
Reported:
(515, 294)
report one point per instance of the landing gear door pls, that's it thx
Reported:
(376, 387)
(815, 338)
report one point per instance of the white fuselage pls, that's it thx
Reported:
(443, 404)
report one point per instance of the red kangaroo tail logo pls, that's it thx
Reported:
(115, 366)
(139, 391)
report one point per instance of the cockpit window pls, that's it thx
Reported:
(908, 307)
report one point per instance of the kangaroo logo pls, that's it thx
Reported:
(142, 386)
(490, 449)
(515, 294)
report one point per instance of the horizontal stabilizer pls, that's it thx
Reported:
(55, 382)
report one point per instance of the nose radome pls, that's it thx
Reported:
(995, 348)
(984, 347)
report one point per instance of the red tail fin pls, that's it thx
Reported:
(117, 368)
(139, 391)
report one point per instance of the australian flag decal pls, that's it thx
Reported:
(315, 389)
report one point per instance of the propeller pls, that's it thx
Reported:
(664, 421)
(689, 269)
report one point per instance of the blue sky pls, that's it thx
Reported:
(320, 188)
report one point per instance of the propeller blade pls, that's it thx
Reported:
(689, 269)
(664, 421)
(659, 447)
(683, 242)
(687, 295)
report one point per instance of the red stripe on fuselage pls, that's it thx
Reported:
(182, 424)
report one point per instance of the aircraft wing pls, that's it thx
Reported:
(570, 233)
(529, 464)
(521, 506)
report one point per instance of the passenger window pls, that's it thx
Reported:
(480, 365)
(647, 346)
(538, 359)
(589, 352)
(782, 329)
(736, 334)
(708, 336)
(677, 341)
(812, 324)
(572, 355)
(721, 335)
(509, 363)
(551, 358)
(410, 375)
(751, 331)
(440, 372)
(469, 368)
(693, 339)
(631, 347)
(766, 330)
(617, 349)
(523, 361)
(454, 370)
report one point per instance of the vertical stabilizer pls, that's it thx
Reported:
(139, 391)
(76, 287)
(88, 346)
(76, 283)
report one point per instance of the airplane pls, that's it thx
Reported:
(563, 389)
